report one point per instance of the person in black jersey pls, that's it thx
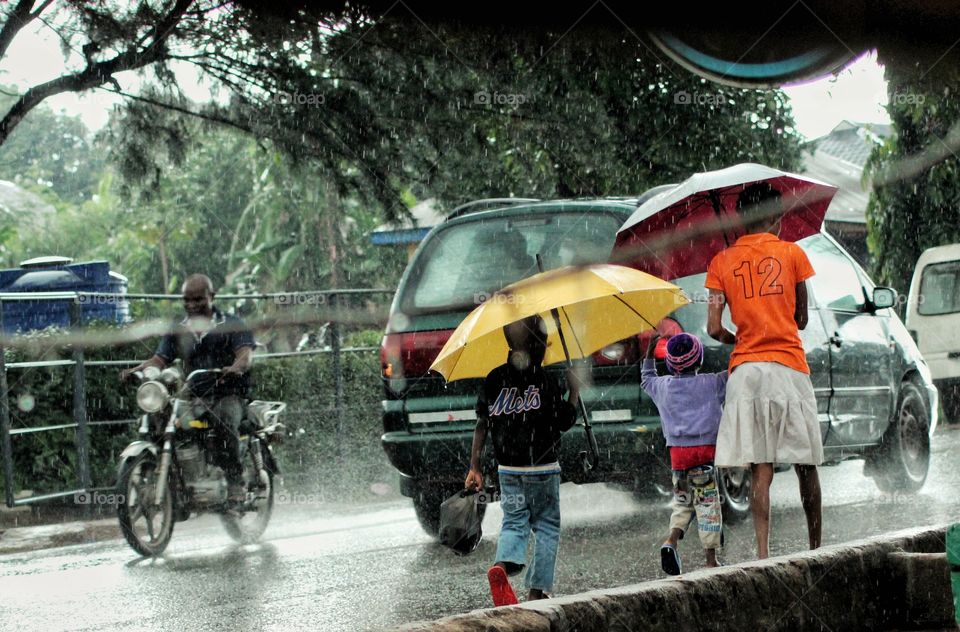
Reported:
(522, 408)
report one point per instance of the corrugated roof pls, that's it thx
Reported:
(850, 202)
(852, 142)
(839, 158)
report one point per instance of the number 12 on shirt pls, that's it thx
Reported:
(766, 276)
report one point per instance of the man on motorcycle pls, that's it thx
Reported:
(209, 339)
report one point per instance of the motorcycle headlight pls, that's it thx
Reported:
(170, 376)
(152, 397)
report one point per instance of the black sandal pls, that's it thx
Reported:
(670, 560)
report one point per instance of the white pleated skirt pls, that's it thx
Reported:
(770, 416)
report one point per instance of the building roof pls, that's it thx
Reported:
(852, 142)
(839, 158)
(411, 229)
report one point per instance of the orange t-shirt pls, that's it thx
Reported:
(758, 277)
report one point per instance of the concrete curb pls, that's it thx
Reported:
(22, 539)
(864, 585)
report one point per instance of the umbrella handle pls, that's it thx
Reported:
(718, 209)
(556, 322)
(588, 460)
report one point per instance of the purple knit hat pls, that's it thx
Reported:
(684, 351)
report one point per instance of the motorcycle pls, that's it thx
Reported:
(172, 471)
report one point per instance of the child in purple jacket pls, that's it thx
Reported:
(690, 406)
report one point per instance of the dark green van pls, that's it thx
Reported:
(874, 391)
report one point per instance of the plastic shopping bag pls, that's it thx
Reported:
(460, 520)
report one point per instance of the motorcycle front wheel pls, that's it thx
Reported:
(247, 523)
(146, 525)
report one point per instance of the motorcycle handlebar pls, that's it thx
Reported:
(201, 372)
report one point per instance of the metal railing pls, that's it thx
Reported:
(81, 424)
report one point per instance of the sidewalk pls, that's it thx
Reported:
(33, 527)
(289, 518)
(21, 539)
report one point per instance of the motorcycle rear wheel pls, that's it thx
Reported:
(247, 525)
(146, 526)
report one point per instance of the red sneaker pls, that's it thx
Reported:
(500, 588)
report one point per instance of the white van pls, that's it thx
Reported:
(933, 318)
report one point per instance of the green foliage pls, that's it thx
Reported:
(915, 204)
(266, 223)
(322, 454)
(461, 112)
(51, 152)
(43, 396)
(395, 117)
(365, 338)
(234, 210)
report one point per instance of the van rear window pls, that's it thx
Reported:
(940, 289)
(463, 264)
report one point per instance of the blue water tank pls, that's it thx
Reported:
(60, 274)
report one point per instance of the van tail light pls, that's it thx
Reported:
(409, 355)
(665, 328)
(633, 349)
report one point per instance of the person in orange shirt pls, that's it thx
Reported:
(770, 415)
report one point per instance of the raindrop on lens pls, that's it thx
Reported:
(381, 489)
(520, 360)
(399, 322)
(26, 402)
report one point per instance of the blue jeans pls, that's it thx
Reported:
(530, 503)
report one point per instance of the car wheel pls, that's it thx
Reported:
(426, 504)
(735, 488)
(901, 462)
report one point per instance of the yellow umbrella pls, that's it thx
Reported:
(585, 309)
(595, 305)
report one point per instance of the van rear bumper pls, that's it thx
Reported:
(628, 451)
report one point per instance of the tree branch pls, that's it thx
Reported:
(41, 9)
(18, 18)
(182, 110)
(95, 74)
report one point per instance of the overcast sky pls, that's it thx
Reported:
(858, 93)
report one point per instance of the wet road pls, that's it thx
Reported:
(370, 567)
